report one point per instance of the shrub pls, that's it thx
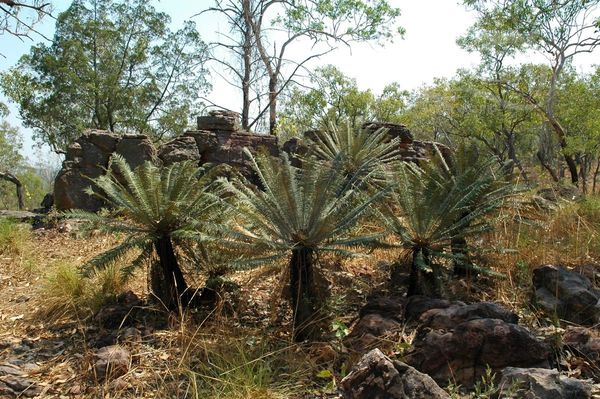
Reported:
(13, 237)
(67, 293)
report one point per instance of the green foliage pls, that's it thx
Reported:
(344, 20)
(112, 65)
(13, 237)
(362, 154)
(432, 205)
(243, 369)
(67, 293)
(335, 99)
(314, 207)
(152, 203)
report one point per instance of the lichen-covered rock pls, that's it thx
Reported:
(220, 120)
(376, 376)
(416, 305)
(136, 149)
(218, 140)
(446, 318)
(463, 353)
(179, 149)
(378, 321)
(536, 383)
(87, 158)
(569, 295)
(111, 362)
(394, 130)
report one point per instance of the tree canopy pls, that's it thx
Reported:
(112, 65)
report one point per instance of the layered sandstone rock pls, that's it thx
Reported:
(217, 140)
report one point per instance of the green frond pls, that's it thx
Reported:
(363, 154)
(311, 206)
(154, 202)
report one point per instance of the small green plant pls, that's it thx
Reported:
(13, 238)
(486, 388)
(340, 329)
(68, 293)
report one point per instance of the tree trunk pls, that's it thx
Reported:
(14, 179)
(272, 105)
(167, 281)
(247, 60)
(302, 292)
(512, 155)
(545, 165)
(596, 173)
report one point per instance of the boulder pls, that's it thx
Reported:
(220, 120)
(369, 332)
(447, 318)
(120, 313)
(566, 294)
(19, 387)
(391, 308)
(394, 130)
(111, 362)
(136, 149)
(376, 376)
(539, 383)
(463, 353)
(378, 320)
(416, 305)
(585, 344)
(69, 189)
(179, 149)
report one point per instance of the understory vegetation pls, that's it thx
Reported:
(223, 268)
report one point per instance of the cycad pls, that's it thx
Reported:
(429, 207)
(298, 213)
(362, 153)
(160, 208)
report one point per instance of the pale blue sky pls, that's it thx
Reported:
(428, 50)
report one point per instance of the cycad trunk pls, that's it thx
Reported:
(420, 281)
(167, 281)
(461, 257)
(302, 291)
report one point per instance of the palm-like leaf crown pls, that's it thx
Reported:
(312, 207)
(362, 153)
(433, 204)
(176, 201)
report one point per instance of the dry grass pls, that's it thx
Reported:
(527, 237)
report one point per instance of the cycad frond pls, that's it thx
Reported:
(432, 204)
(307, 207)
(153, 202)
(362, 153)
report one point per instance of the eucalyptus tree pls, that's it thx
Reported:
(112, 65)
(157, 210)
(558, 29)
(19, 18)
(269, 31)
(298, 214)
(335, 99)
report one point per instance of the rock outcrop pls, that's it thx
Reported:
(217, 140)
(458, 342)
(376, 376)
(570, 296)
(379, 320)
(536, 383)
